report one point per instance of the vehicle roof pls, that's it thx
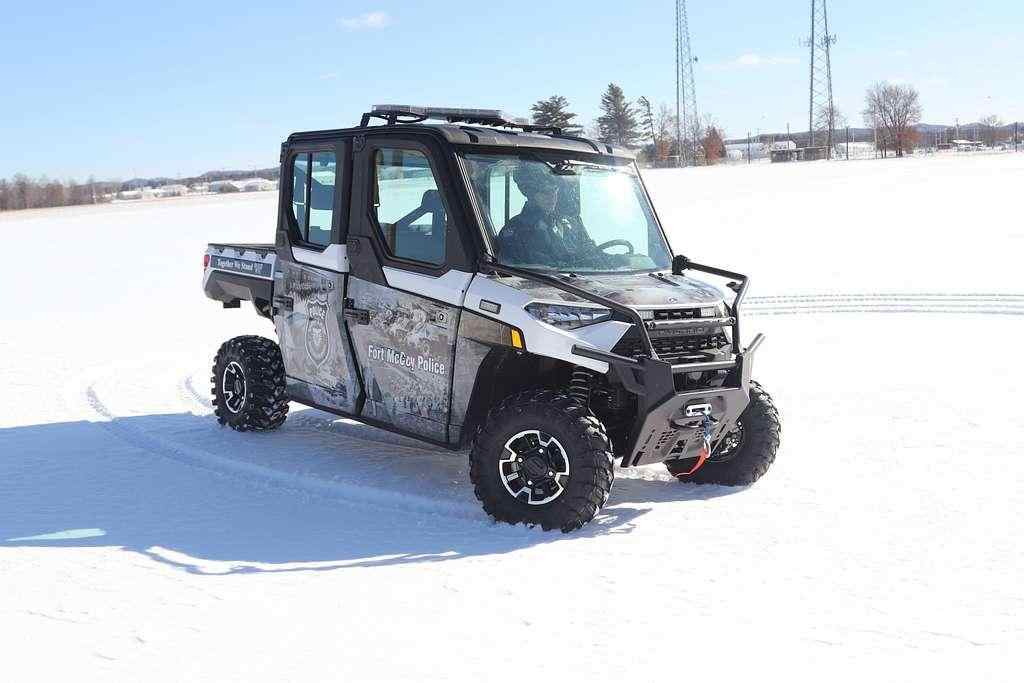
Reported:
(479, 135)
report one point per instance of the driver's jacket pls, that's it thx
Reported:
(536, 237)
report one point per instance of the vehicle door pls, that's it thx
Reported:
(410, 272)
(311, 279)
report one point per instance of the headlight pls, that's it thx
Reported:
(568, 317)
(719, 311)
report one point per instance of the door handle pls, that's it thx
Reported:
(285, 303)
(358, 316)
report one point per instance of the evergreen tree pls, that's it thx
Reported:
(618, 124)
(646, 119)
(554, 111)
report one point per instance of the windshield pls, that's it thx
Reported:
(564, 215)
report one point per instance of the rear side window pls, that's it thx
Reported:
(410, 213)
(314, 178)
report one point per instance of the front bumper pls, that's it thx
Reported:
(669, 424)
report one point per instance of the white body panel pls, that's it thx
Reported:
(334, 257)
(541, 338)
(450, 288)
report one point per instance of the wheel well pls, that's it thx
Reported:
(506, 372)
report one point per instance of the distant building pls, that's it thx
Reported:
(243, 185)
(783, 151)
(224, 186)
(134, 195)
(172, 191)
(256, 185)
(967, 145)
(812, 153)
(741, 151)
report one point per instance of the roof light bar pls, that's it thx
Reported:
(410, 113)
(443, 112)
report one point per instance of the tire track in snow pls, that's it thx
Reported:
(190, 394)
(278, 479)
(320, 421)
(942, 303)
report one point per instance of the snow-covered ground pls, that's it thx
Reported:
(140, 542)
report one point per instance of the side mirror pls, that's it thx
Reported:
(679, 264)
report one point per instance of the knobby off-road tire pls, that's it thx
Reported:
(542, 432)
(747, 460)
(248, 385)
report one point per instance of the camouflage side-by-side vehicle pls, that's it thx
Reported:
(489, 283)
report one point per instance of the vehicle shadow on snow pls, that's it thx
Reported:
(318, 495)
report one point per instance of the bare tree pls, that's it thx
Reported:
(665, 133)
(893, 110)
(991, 133)
(22, 192)
(839, 123)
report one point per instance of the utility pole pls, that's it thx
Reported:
(748, 146)
(847, 143)
(820, 43)
(687, 118)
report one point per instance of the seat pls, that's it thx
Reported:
(411, 241)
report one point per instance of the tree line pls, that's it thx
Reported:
(22, 192)
(634, 125)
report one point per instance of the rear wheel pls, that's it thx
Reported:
(541, 458)
(249, 385)
(743, 454)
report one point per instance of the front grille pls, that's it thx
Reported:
(674, 349)
(676, 313)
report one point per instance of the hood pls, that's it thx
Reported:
(632, 289)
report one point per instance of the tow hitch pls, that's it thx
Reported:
(707, 431)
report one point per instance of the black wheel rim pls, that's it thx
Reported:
(729, 445)
(233, 387)
(534, 467)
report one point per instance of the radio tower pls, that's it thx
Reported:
(687, 120)
(821, 42)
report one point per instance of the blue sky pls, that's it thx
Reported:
(124, 89)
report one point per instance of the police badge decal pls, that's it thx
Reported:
(318, 339)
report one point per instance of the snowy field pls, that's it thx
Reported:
(140, 542)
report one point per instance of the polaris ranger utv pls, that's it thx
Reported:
(485, 282)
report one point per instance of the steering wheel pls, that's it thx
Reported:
(617, 243)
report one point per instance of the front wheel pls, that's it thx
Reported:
(742, 455)
(541, 458)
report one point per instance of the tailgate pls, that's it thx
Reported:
(237, 272)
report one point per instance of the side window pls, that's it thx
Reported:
(300, 183)
(314, 176)
(407, 204)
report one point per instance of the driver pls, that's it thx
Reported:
(538, 234)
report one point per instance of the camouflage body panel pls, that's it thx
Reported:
(319, 365)
(477, 337)
(631, 289)
(406, 354)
